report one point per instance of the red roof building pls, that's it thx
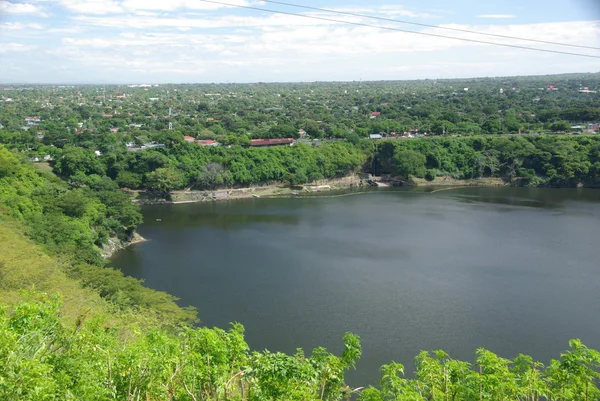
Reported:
(272, 142)
(376, 113)
(189, 139)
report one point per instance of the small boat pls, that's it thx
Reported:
(158, 219)
(255, 196)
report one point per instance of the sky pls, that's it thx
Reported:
(195, 41)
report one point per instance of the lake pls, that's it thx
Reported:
(509, 269)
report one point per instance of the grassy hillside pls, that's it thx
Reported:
(51, 231)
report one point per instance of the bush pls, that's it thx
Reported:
(430, 175)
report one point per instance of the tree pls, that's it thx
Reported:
(212, 175)
(163, 180)
(560, 126)
(78, 160)
(128, 179)
(409, 162)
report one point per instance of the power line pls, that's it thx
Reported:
(429, 25)
(400, 30)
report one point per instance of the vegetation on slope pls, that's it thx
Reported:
(532, 160)
(44, 359)
(69, 222)
(185, 165)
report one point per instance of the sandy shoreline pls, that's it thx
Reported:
(267, 191)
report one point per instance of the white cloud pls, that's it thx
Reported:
(389, 10)
(18, 26)
(497, 16)
(140, 7)
(65, 30)
(143, 22)
(6, 7)
(92, 6)
(171, 5)
(134, 38)
(277, 36)
(15, 47)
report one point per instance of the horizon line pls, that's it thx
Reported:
(285, 82)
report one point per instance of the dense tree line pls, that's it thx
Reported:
(185, 165)
(85, 129)
(74, 218)
(531, 160)
(72, 221)
(44, 359)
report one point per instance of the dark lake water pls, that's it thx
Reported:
(509, 269)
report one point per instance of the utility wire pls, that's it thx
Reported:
(429, 26)
(399, 30)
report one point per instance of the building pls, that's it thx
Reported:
(33, 120)
(576, 128)
(375, 114)
(586, 90)
(375, 136)
(150, 145)
(593, 127)
(272, 142)
(189, 139)
(208, 142)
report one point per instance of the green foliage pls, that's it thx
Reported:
(163, 180)
(46, 360)
(535, 161)
(574, 377)
(75, 160)
(560, 126)
(128, 179)
(71, 222)
(409, 162)
(212, 176)
(67, 218)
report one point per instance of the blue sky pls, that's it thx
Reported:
(159, 41)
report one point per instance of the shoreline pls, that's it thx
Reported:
(267, 191)
(444, 183)
(280, 190)
(115, 245)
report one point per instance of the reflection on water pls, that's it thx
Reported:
(510, 269)
(222, 216)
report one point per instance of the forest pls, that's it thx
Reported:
(71, 222)
(555, 161)
(72, 328)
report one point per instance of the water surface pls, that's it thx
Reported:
(510, 269)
